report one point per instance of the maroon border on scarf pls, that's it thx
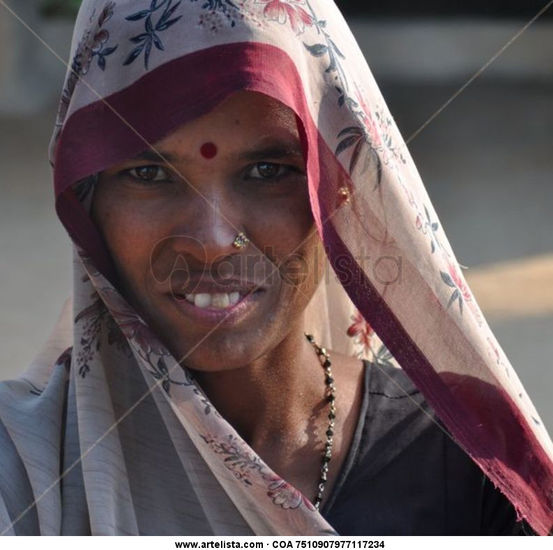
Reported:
(189, 87)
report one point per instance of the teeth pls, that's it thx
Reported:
(202, 300)
(219, 300)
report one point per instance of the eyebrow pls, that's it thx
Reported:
(274, 150)
(156, 156)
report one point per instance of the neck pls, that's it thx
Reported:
(271, 399)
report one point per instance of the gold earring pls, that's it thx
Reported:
(240, 241)
(345, 194)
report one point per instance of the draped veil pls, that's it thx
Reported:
(140, 448)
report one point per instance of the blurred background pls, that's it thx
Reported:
(486, 159)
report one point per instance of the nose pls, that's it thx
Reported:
(209, 223)
(197, 235)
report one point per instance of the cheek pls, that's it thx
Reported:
(130, 235)
(284, 229)
(300, 260)
(284, 224)
(309, 266)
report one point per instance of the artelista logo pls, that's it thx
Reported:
(178, 257)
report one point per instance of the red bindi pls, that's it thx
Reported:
(208, 150)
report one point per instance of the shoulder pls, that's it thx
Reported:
(400, 424)
(34, 392)
(404, 463)
(31, 428)
(389, 381)
(406, 447)
(31, 406)
(395, 405)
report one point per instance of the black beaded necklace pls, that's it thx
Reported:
(330, 393)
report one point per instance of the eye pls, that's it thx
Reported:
(147, 174)
(268, 170)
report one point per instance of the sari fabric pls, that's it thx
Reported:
(105, 433)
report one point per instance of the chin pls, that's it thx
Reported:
(211, 347)
(219, 352)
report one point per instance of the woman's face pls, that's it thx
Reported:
(216, 306)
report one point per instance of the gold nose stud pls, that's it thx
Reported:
(240, 241)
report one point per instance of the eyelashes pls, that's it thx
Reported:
(270, 171)
(261, 171)
(148, 174)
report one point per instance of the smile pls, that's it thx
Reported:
(219, 307)
(218, 300)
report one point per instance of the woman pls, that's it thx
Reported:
(212, 162)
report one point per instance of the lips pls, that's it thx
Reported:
(213, 309)
(208, 300)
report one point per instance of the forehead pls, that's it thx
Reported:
(241, 117)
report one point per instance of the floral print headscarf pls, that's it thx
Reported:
(142, 449)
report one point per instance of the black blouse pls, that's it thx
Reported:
(404, 474)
